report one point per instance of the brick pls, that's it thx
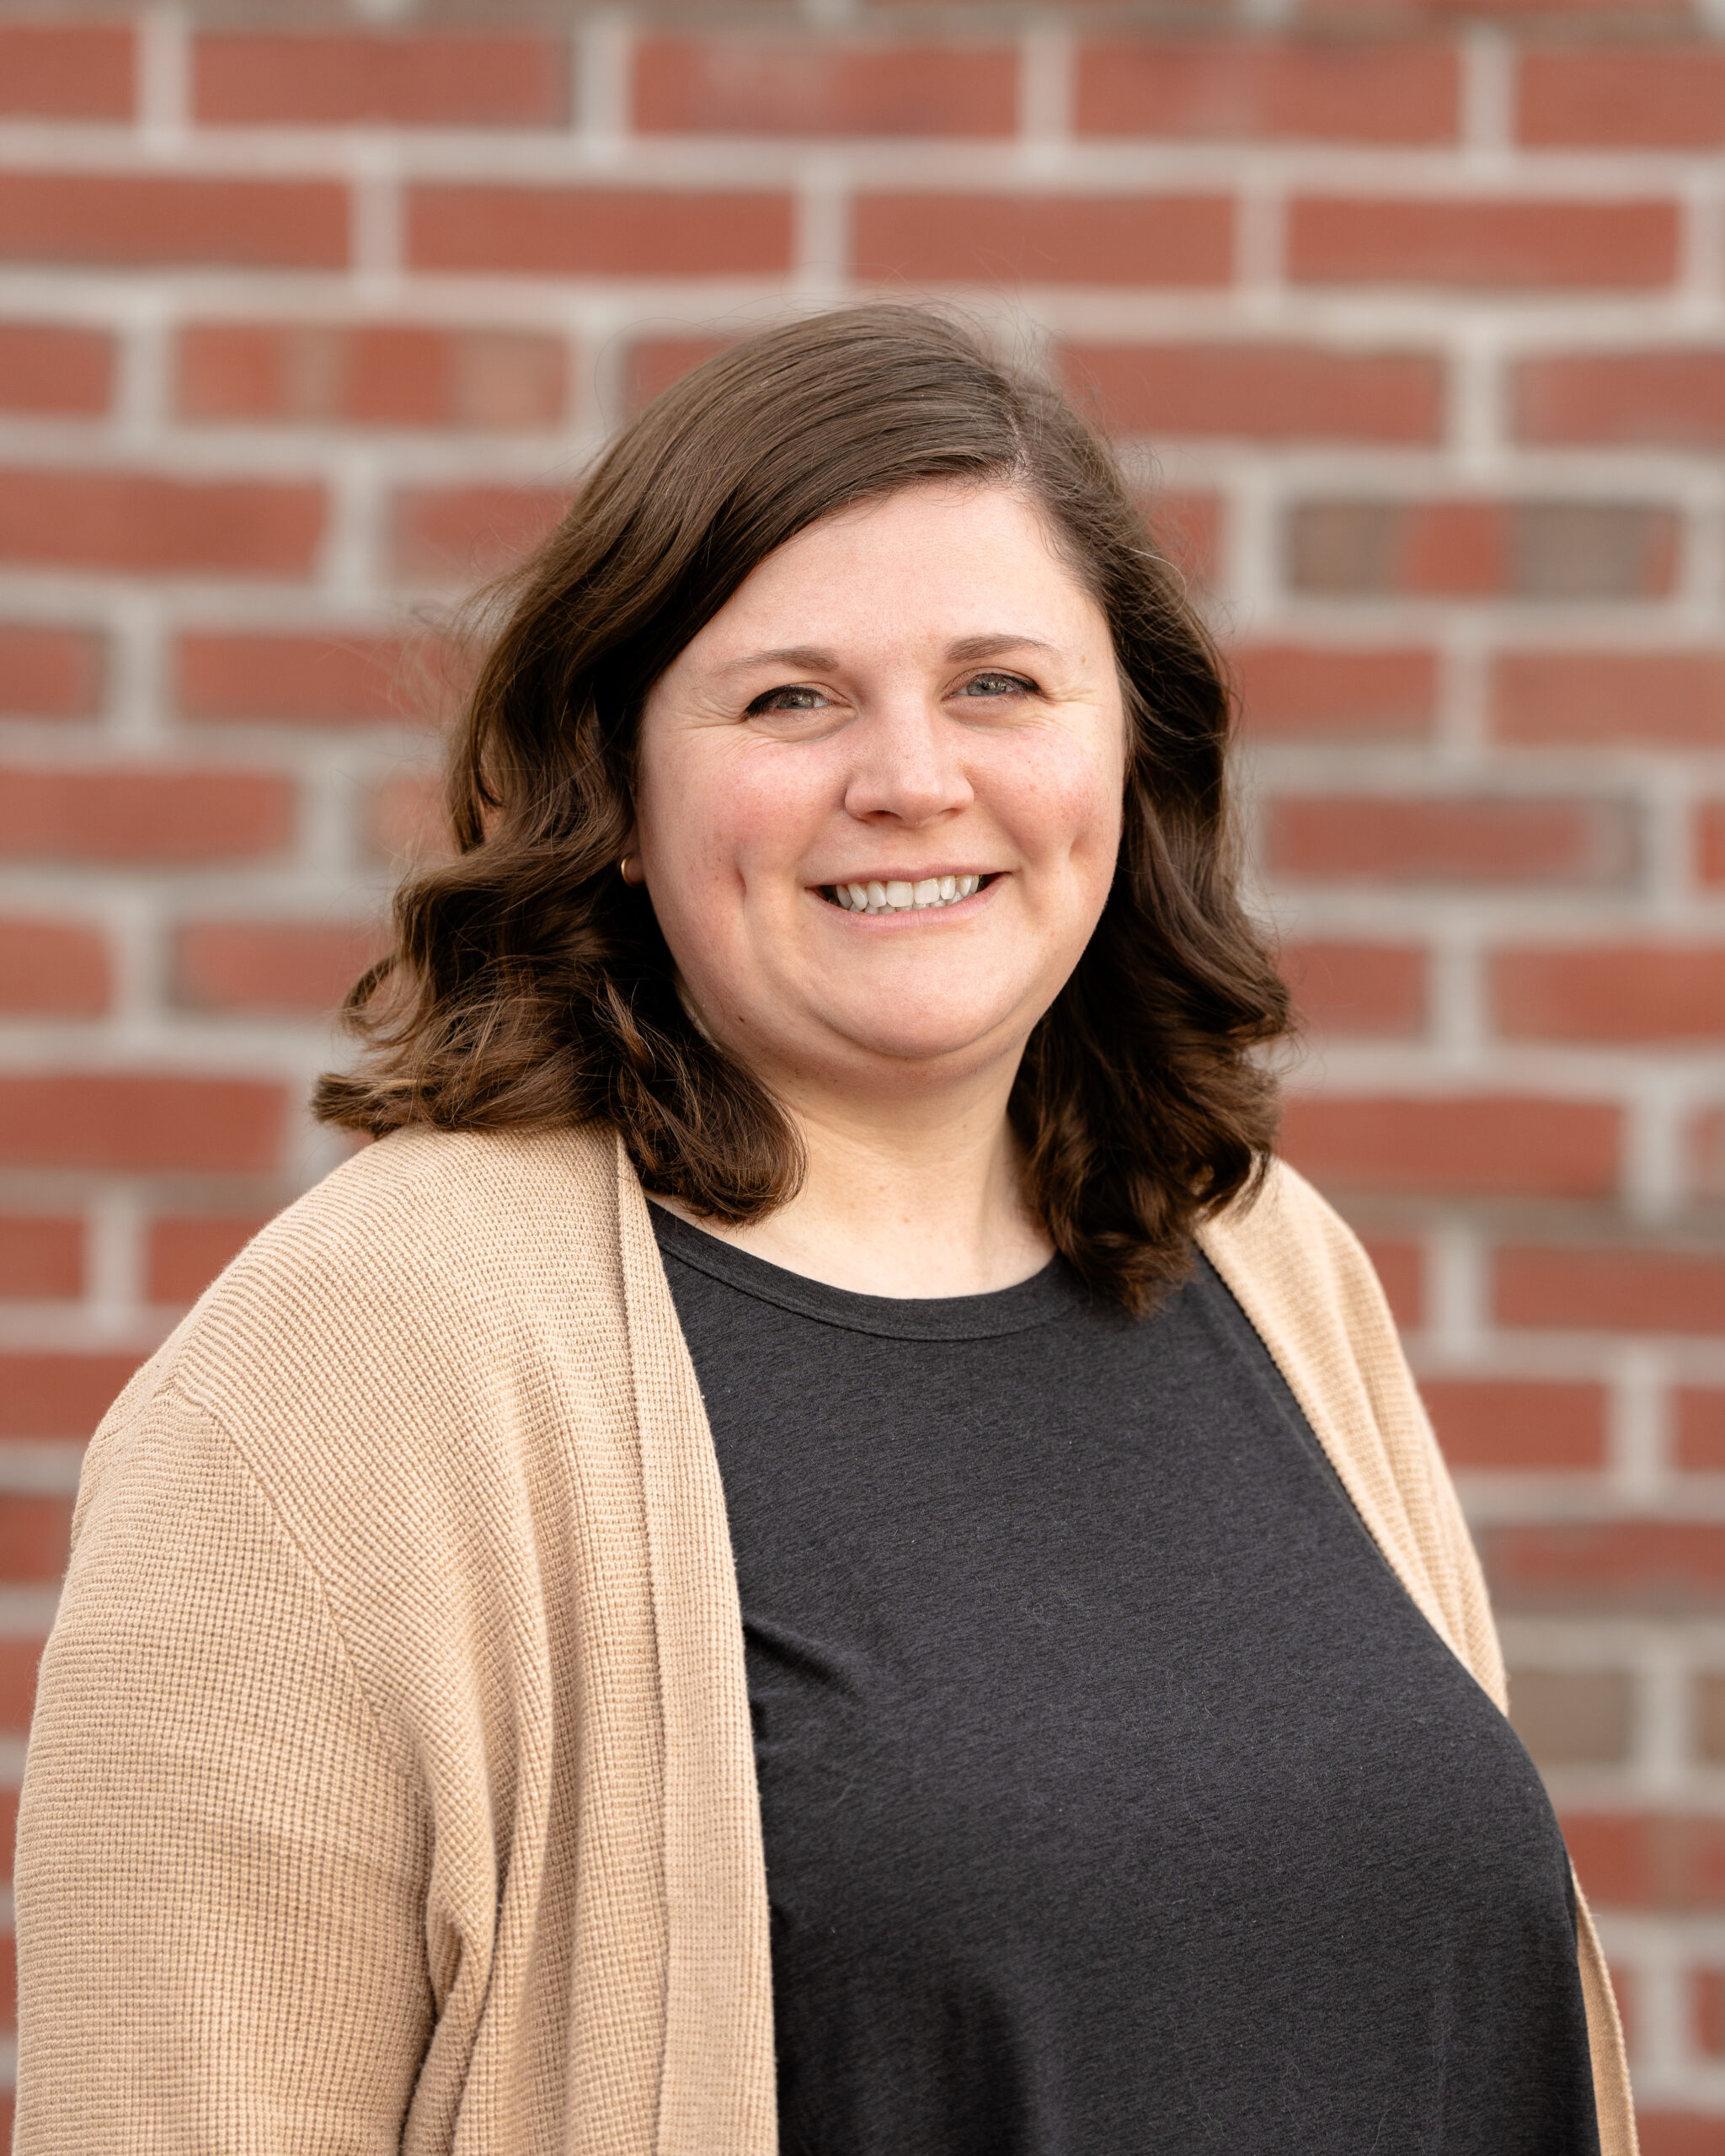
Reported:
(1400, 1265)
(1710, 1716)
(1709, 841)
(1051, 239)
(1291, 691)
(18, 1683)
(1260, 392)
(1217, 88)
(49, 673)
(41, 1259)
(1644, 1567)
(1514, 1424)
(51, 968)
(1572, 1717)
(1187, 530)
(69, 71)
(143, 521)
(275, 969)
(653, 364)
(1611, 1288)
(1477, 839)
(1469, 1145)
(1708, 2005)
(50, 368)
(1655, 400)
(1650, 993)
(142, 813)
(56, 1396)
(35, 1531)
(1669, 96)
(405, 822)
(1571, 550)
(761, 86)
(1680, 2133)
(1502, 245)
(1706, 1155)
(597, 232)
(424, 79)
(442, 533)
(372, 375)
(140, 1122)
(137, 220)
(292, 679)
(1374, 990)
(1670, 699)
(184, 1255)
(1699, 1414)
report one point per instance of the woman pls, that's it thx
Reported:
(814, 1550)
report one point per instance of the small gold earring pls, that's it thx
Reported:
(623, 870)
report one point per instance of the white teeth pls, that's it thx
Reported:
(902, 896)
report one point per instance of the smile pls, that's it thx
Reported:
(901, 896)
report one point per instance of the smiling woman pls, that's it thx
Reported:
(817, 1549)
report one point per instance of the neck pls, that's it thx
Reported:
(919, 1196)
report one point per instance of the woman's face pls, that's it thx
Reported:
(908, 701)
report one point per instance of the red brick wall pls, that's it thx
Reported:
(304, 321)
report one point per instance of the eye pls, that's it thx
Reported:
(797, 697)
(998, 685)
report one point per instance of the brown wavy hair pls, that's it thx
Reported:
(529, 985)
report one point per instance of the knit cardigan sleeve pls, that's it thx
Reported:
(221, 1876)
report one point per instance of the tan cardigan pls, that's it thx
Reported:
(390, 1783)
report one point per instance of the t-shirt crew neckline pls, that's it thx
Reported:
(1045, 1297)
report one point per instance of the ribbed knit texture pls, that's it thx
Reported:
(390, 1783)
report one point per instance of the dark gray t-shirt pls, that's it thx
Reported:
(1117, 1801)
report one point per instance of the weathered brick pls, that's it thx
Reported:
(1641, 992)
(184, 1254)
(405, 820)
(1648, 1860)
(756, 86)
(1699, 1437)
(141, 813)
(35, 1532)
(294, 679)
(49, 673)
(1709, 841)
(653, 364)
(462, 533)
(66, 70)
(1274, 89)
(1707, 2005)
(144, 522)
(1187, 528)
(417, 79)
(1572, 1717)
(1047, 239)
(1668, 96)
(52, 967)
(140, 1122)
(1505, 244)
(1647, 399)
(1260, 392)
(1570, 550)
(1374, 990)
(270, 967)
(18, 1683)
(41, 1258)
(1670, 699)
(1516, 1424)
(53, 369)
(1710, 1716)
(1678, 2134)
(597, 232)
(1331, 692)
(1400, 1265)
(57, 1395)
(1611, 1288)
(1446, 839)
(1473, 1145)
(378, 375)
(1645, 1568)
(139, 218)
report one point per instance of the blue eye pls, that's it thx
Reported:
(788, 699)
(997, 685)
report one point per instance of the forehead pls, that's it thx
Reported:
(942, 559)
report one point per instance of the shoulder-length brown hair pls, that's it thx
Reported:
(529, 985)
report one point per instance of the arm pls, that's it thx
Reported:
(221, 1866)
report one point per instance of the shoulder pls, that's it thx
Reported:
(1288, 1239)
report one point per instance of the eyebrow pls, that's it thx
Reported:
(806, 657)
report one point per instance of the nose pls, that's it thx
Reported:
(908, 766)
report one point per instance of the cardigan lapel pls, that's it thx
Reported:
(717, 2091)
